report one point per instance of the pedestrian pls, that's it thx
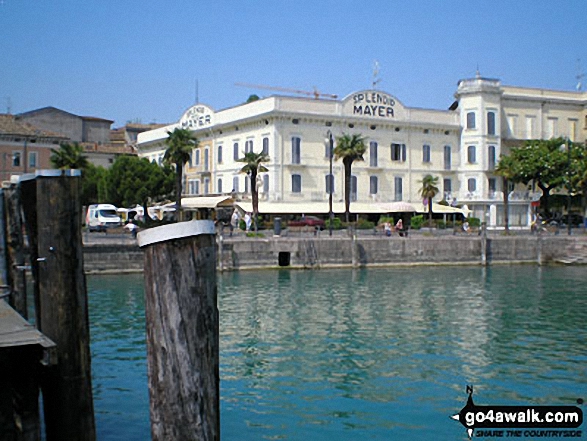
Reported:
(234, 221)
(132, 228)
(248, 220)
(387, 228)
(399, 227)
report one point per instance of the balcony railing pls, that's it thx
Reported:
(492, 196)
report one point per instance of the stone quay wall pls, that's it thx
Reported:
(314, 252)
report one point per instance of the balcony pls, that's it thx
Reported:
(497, 196)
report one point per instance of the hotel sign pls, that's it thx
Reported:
(373, 104)
(196, 117)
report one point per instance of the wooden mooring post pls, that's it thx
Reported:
(182, 331)
(53, 222)
(15, 256)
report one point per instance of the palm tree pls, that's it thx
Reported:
(179, 148)
(428, 191)
(506, 169)
(69, 156)
(350, 148)
(252, 168)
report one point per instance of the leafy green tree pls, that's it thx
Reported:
(506, 168)
(252, 98)
(428, 191)
(180, 144)
(543, 162)
(350, 148)
(133, 180)
(94, 185)
(579, 176)
(252, 168)
(69, 156)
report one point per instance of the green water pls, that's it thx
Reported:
(376, 354)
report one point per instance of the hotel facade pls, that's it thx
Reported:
(461, 146)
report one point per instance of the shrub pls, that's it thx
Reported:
(417, 221)
(474, 221)
(384, 219)
(336, 224)
(364, 224)
(440, 224)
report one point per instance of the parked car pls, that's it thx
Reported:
(307, 221)
(102, 216)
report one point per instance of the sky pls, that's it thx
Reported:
(130, 60)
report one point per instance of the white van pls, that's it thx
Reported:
(102, 216)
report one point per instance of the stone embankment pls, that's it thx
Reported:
(104, 254)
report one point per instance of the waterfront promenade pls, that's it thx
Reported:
(305, 249)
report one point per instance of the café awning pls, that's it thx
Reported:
(205, 202)
(442, 209)
(308, 207)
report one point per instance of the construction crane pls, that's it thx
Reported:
(316, 94)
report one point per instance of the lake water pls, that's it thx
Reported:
(374, 354)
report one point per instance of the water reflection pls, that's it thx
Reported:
(376, 348)
(117, 328)
(352, 354)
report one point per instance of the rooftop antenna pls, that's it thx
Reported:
(197, 92)
(376, 78)
(8, 105)
(580, 75)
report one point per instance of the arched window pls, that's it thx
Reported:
(235, 151)
(425, 153)
(491, 123)
(296, 183)
(470, 120)
(373, 154)
(296, 147)
(329, 184)
(472, 185)
(266, 146)
(373, 184)
(471, 154)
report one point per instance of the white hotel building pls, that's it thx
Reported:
(461, 146)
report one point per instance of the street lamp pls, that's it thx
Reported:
(567, 146)
(568, 187)
(329, 141)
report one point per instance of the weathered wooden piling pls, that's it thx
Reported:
(54, 231)
(182, 331)
(15, 256)
(483, 244)
(22, 348)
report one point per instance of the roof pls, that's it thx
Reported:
(45, 110)
(9, 125)
(95, 118)
(111, 149)
(55, 109)
(16, 331)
